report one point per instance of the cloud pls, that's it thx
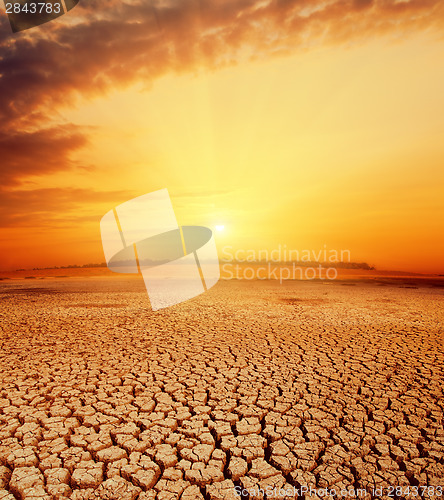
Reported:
(55, 206)
(45, 151)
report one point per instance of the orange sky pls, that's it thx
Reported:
(290, 123)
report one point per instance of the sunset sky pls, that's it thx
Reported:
(290, 122)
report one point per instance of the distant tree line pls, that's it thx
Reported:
(340, 265)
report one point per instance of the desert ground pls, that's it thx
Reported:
(293, 390)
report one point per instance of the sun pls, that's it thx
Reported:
(219, 227)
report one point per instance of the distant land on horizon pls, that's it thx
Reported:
(339, 265)
(346, 270)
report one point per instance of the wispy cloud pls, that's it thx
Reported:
(54, 206)
(44, 151)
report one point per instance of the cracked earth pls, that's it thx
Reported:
(251, 385)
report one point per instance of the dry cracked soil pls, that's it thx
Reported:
(300, 390)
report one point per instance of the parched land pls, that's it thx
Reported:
(253, 387)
